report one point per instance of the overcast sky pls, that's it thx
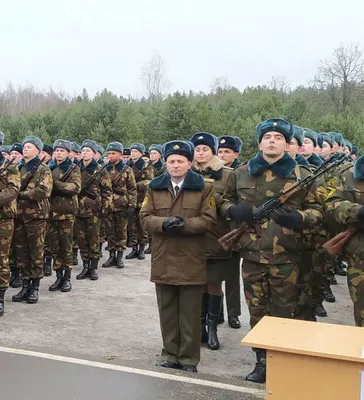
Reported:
(71, 44)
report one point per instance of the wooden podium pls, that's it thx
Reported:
(310, 360)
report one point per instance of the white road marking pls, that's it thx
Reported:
(224, 386)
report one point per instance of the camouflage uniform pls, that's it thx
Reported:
(271, 252)
(89, 212)
(345, 198)
(124, 198)
(9, 189)
(64, 205)
(30, 227)
(143, 175)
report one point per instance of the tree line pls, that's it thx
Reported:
(334, 101)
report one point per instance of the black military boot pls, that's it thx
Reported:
(328, 295)
(119, 260)
(74, 257)
(221, 319)
(34, 290)
(85, 273)
(66, 284)
(338, 268)
(320, 310)
(47, 266)
(16, 283)
(234, 322)
(24, 293)
(149, 249)
(204, 309)
(58, 282)
(111, 262)
(2, 294)
(94, 262)
(259, 373)
(133, 254)
(212, 318)
(141, 254)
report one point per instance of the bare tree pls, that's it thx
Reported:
(279, 84)
(343, 75)
(220, 84)
(153, 76)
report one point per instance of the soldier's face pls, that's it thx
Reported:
(318, 150)
(45, 156)
(98, 156)
(146, 159)
(154, 155)
(228, 156)
(326, 150)
(294, 148)
(17, 156)
(354, 156)
(177, 165)
(273, 144)
(60, 154)
(135, 154)
(203, 154)
(30, 151)
(6, 155)
(308, 147)
(347, 151)
(114, 156)
(87, 154)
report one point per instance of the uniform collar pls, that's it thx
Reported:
(282, 167)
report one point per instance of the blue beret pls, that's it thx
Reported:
(275, 125)
(179, 147)
(126, 152)
(75, 147)
(298, 134)
(230, 142)
(5, 149)
(349, 145)
(338, 138)
(156, 147)
(138, 146)
(355, 150)
(310, 134)
(207, 139)
(327, 137)
(17, 147)
(63, 144)
(35, 141)
(115, 146)
(2, 136)
(90, 144)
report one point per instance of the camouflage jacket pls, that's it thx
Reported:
(100, 189)
(143, 175)
(346, 197)
(64, 200)
(218, 175)
(159, 168)
(9, 189)
(267, 242)
(123, 186)
(33, 201)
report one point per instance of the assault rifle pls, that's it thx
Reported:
(335, 246)
(231, 238)
(68, 173)
(30, 175)
(7, 165)
(117, 177)
(85, 190)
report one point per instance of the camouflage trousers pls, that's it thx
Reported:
(116, 231)
(137, 234)
(355, 279)
(29, 246)
(321, 263)
(6, 233)
(103, 232)
(61, 240)
(47, 243)
(269, 289)
(88, 237)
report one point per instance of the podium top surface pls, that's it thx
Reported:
(308, 338)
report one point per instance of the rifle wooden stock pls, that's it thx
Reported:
(231, 238)
(335, 245)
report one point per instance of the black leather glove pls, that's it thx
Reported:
(360, 214)
(242, 212)
(287, 217)
(173, 225)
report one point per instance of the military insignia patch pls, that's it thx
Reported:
(200, 138)
(212, 202)
(222, 141)
(176, 147)
(145, 202)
